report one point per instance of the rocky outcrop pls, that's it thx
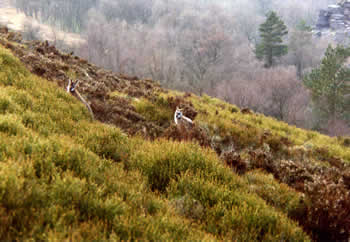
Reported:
(334, 22)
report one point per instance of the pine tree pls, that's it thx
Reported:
(271, 45)
(330, 84)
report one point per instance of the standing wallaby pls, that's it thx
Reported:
(72, 89)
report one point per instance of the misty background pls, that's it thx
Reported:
(202, 46)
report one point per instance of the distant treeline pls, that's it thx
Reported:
(67, 14)
(70, 15)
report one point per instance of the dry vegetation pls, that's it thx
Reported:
(236, 175)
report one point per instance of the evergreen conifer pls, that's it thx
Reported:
(271, 45)
(330, 84)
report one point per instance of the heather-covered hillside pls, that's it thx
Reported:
(131, 173)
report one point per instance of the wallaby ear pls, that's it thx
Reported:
(69, 85)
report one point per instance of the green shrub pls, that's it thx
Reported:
(22, 98)
(5, 105)
(158, 112)
(107, 141)
(234, 213)
(8, 61)
(278, 195)
(234, 110)
(10, 125)
(29, 120)
(163, 161)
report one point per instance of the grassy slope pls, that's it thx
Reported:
(299, 137)
(225, 119)
(314, 164)
(63, 176)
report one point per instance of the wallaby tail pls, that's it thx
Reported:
(85, 103)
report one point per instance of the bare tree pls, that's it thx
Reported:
(337, 127)
(305, 51)
(275, 92)
(202, 51)
(31, 31)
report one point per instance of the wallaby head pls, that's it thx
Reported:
(178, 115)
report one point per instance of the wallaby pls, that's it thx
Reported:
(180, 118)
(72, 88)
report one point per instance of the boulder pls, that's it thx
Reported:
(335, 9)
(334, 22)
(346, 5)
